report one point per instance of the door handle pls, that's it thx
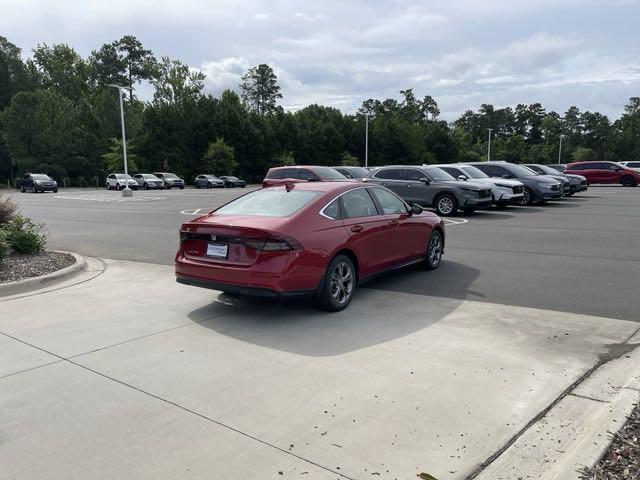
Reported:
(357, 228)
(394, 223)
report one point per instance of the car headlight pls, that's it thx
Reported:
(502, 186)
(38, 182)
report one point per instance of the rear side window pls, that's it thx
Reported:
(413, 174)
(332, 210)
(454, 172)
(358, 203)
(270, 202)
(493, 170)
(389, 202)
(388, 174)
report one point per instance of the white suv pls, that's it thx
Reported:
(503, 191)
(120, 180)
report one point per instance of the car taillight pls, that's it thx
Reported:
(183, 236)
(274, 244)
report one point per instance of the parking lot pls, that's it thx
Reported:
(565, 256)
(424, 373)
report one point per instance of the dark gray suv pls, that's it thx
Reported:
(431, 187)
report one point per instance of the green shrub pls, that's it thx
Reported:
(23, 235)
(7, 210)
(4, 246)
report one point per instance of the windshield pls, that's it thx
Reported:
(270, 202)
(547, 170)
(327, 173)
(233, 179)
(531, 170)
(211, 177)
(41, 177)
(474, 172)
(170, 175)
(122, 176)
(438, 174)
(519, 170)
(150, 176)
(358, 172)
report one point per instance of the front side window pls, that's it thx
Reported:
(390, 203)
(304, 174)
(358, 203)
(270, 202)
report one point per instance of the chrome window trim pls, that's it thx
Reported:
(321, 212)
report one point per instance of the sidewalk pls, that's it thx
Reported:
(130, 375)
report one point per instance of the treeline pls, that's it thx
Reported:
(59, 116)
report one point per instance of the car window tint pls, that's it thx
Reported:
(388, 174)
(304, 174)
(454, 172)
(269, 202)
(389, 202)
(358, 203)
(332, 210)
(413, 174)
(493, 170)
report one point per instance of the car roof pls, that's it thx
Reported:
(325, 187)
(299, 166)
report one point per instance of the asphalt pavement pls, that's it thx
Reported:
(580, 255)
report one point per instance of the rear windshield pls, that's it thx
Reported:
(269, 202)
(40, 177)
(327, 173)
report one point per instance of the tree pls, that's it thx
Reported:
(349, 160)
(284, 159)
(582, 154)
(175, 83)
(62, 68)
(219, 158)
(260, 90)
(114, 158)
(124, 62)
(43, 127)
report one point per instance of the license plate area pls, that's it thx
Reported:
(217, 250)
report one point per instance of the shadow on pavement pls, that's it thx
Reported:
(373, 317)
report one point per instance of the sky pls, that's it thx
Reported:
(338, 53)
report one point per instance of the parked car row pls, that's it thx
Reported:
(224, 181)
(322, 231)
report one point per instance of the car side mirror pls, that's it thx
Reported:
(506, 175)
(425, 180)
(462, 178)
(416, 209)
(312, 179)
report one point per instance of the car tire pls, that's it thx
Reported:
(446, 204)
(181, 188)
(22, 189)
(242, 186)
(108, 186)
(209, 185)
(338, 284)
(146, 186)
(628, 181)
(468, 211)
(435, 249)
(527, 197)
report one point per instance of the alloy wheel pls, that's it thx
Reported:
(445, 205)
(434, 251)
(342, 281)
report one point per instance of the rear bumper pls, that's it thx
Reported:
(241, 289)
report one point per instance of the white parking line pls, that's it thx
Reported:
(456, 221)
(109, 197)
(195, 211)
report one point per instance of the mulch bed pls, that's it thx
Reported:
(622, 460)
(19, 266)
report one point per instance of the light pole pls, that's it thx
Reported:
(560, 150)
(126, 191)
(366, 140)
(489, 149)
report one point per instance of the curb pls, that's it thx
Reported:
(574, 433)
(36, 283)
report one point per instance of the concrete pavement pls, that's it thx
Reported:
(125, 374)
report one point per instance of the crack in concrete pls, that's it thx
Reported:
(588, 398)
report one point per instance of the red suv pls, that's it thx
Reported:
(302, 173)
(605, 172)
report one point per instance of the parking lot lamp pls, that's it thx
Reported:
(126, 191)
(489, 149)
(560, 150)
(366, 141)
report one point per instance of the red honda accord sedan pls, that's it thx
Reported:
(319, 239)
